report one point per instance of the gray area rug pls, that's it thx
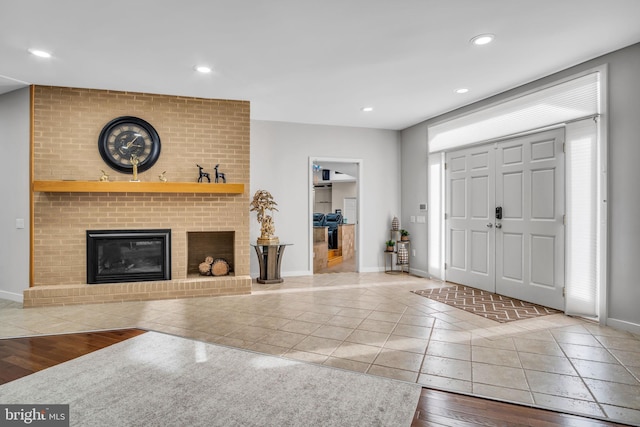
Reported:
(162, 380)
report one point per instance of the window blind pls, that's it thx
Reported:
(581, 201)
(566, 101)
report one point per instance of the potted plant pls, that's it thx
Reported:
(390, 245)
(404, 235)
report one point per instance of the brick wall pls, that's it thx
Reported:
(67, 122)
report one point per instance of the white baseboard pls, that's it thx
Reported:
(296, 273)
(11, 296)
(362, 270)
(419, 273)
(624, 325)
(372, 270)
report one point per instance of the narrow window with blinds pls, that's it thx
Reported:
(435, 217)
(581, 230)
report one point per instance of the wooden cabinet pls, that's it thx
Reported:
(320, 248)
(346, 240)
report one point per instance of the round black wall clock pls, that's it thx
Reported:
(127, 136)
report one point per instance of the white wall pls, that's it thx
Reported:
(623, 290)
(414, 192)
(624, 196)
(14, 193)
(341, 190)
(322, 202)
(279, 164)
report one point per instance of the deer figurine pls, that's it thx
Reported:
(220, 175)
(204, 174)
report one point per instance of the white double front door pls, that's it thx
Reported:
(505, 218)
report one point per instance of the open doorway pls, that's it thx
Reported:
(334, 214)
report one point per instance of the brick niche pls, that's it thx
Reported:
(66, 125)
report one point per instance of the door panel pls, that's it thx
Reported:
(458, 246)
(543, 194)
(479, 245)
(458, 163)
(459, 198)
(480, 160)
(512, 189)
(470, 191)
(530, 242)
(512, 257)
(542, 260)
(512, 155)
(479, 197)
(542, 150)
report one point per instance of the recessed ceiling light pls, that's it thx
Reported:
(202, 69)
(40, 53)
(367, 109)
(482, 39)
(461, 90)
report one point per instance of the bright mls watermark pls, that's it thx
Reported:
(34, 415)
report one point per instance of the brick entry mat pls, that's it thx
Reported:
(486, 304)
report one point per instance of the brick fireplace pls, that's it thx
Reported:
(66, 126)
(122, 256)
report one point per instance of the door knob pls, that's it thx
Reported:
(489, 225)
(498, 225)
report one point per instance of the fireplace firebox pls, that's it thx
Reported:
(116, 256)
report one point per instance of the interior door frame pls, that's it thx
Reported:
(360, 205)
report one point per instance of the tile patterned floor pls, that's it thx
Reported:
(372, 323)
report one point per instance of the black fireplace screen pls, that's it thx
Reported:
(116, 256)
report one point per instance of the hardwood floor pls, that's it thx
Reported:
(23, 356)
(439, 408)
(347, 266)
(20, 357)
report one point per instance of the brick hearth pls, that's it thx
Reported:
(39, 296)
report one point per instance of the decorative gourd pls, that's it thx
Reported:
(395, 224)
(403, 255)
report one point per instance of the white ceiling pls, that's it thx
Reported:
(310, 61)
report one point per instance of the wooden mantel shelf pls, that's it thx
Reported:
(135, 187)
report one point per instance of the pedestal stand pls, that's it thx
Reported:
(270, 258)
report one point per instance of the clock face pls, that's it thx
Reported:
(126, 138)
